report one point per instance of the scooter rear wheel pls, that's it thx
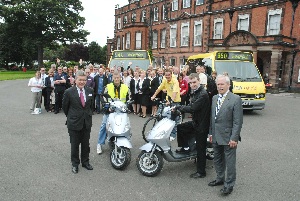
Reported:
(121, 158)
(150, 167)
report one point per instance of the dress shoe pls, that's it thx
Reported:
(75, 169)
(197, 175)
(87, 166)
(226, 190)
(215, 183)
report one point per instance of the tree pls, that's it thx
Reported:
(45, 21)
(94, 53)
(75, 52)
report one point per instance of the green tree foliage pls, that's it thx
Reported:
(44, 22)
(75, 52)
(94, 53)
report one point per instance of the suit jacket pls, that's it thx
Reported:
(48, 84)
(200, 109)
(154, 85)
(132, 86)
(145, 86)
(77, 115)
(227, 124)
(96, 80)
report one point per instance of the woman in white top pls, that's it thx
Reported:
(36, 85)
(126, 79)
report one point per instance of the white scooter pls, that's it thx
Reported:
(150, 160)
(119, 134)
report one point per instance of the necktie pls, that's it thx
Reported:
(219, 104)
(82, 98)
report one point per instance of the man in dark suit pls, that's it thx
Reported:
(225, 127)
(78, 107)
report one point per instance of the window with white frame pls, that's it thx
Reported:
(123, 42)
(243, 22)
(186, 3)
(118, 43)
(154, 39)
(143, 16)
(119, 23)
(174, 5)
(138, 40)
(173, 30)
(274, 19)
(199, 2)
(163, 38)
(127, 41)
(218, 28)
(185, 34)
(164, 12)
(133, 17)
(198, 33)
(125, 20)
(155, 14)
(172, 61)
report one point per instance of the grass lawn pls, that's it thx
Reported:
(14, 75)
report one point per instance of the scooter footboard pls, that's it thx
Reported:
(148, 147)
(123, 142)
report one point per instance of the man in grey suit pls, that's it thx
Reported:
(78, 107)
(225, 127)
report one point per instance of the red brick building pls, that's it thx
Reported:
(177, 29)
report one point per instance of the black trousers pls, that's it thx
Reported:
(78, 137)
(58, 99)
(48, 94)
(185, 133)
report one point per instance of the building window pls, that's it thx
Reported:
(274, 18)
(127, 41)
(172, 61)
(173, 31)
(218, 28)
(198, 33)
(174, 5)
(164, 12)
(186, 3)
(133, 17)
(184, 34)
(243, 23)
(143, 16)
(125, 20)
(155, 14)
(119, 23)
(154, 39)
(163, 38)
(199, 2)
(118, 43)
(123, 42)
(138, 40)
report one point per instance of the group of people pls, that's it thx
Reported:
(214, 108)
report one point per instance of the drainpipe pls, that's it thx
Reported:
(294, 52)
(294, 5)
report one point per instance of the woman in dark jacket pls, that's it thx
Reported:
(144, 91)
(49, 84)
(154, 84)
(134, 93)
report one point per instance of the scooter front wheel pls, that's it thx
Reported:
(150, 166)
(120, 157)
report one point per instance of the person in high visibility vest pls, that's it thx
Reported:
(115, 90)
